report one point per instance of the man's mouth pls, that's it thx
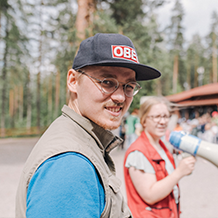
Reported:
(114, 109)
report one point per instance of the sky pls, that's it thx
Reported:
(197, 18)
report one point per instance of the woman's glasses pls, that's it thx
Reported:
(157, 118)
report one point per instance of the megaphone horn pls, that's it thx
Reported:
(195, 146)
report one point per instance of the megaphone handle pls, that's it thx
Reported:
(185, 154)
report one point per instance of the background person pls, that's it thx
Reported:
(69, 172)
(122, 132)
(149, 169)
(132, 127)
(215, 125)
(210, 129)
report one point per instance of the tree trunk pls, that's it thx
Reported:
(16, 100)
(214, 61)
(84, 17)
(188, 80)
(0, 25)
(57, 93)
(158, 87)
(11, 103)
(29, 105)
(38, 103)
(4, 78)
(196, 65)
(21, 103)
(175, 73)
(50, 100)
(196, 77)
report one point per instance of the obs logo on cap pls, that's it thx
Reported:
(124, 52)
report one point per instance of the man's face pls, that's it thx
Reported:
(106, 110)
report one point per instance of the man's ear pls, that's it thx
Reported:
(71, 80)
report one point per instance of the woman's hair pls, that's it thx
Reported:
(149, 102)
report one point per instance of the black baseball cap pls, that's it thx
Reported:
(115, 50)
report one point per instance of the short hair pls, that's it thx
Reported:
(148, 102)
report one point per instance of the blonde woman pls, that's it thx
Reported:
(151, 177)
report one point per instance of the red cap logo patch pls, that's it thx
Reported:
(124, 52)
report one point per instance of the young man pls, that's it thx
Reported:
(70, 173)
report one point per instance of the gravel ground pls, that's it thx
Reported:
(199, 191)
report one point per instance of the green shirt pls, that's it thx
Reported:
(131, 121)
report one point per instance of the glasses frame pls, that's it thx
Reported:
(118, 84)
(159, 117)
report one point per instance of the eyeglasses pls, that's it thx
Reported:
(110, 85)
(158, 118)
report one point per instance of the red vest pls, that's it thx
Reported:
(166, 208)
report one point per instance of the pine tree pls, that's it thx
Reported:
(194, 59)
(212, 43)
(176, 41)
(14, 43)
(84, 18)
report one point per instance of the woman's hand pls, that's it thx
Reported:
(186, 166)
(151, 190)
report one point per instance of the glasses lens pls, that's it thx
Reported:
(132, 89)
(159, 117)
(166, 117)
(109, 85)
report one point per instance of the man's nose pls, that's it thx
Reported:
(119, 94)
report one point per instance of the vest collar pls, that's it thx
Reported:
(105, 139)
(153, 152)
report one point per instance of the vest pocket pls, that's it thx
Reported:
(119, 207)
(114, 183)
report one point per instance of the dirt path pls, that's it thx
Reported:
(199, 192)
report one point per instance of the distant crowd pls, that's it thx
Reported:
(204, 127)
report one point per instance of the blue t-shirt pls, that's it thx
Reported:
(66, 185)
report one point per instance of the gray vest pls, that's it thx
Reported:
(74, 133)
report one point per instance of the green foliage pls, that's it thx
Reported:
(175, 29)
(126, 11)
(4, 6)
(14, 51)
(195, 57)
(211, 43)
(104, 23)
(47, 43)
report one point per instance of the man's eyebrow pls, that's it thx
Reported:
(131, 80)
(109, 75)
(105, 74)
(102, 75)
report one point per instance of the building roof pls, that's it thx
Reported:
(202, 95)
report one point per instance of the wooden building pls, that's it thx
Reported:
(197, 101)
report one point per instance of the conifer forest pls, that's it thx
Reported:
(39, 39)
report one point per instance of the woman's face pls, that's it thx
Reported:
(157, 120)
